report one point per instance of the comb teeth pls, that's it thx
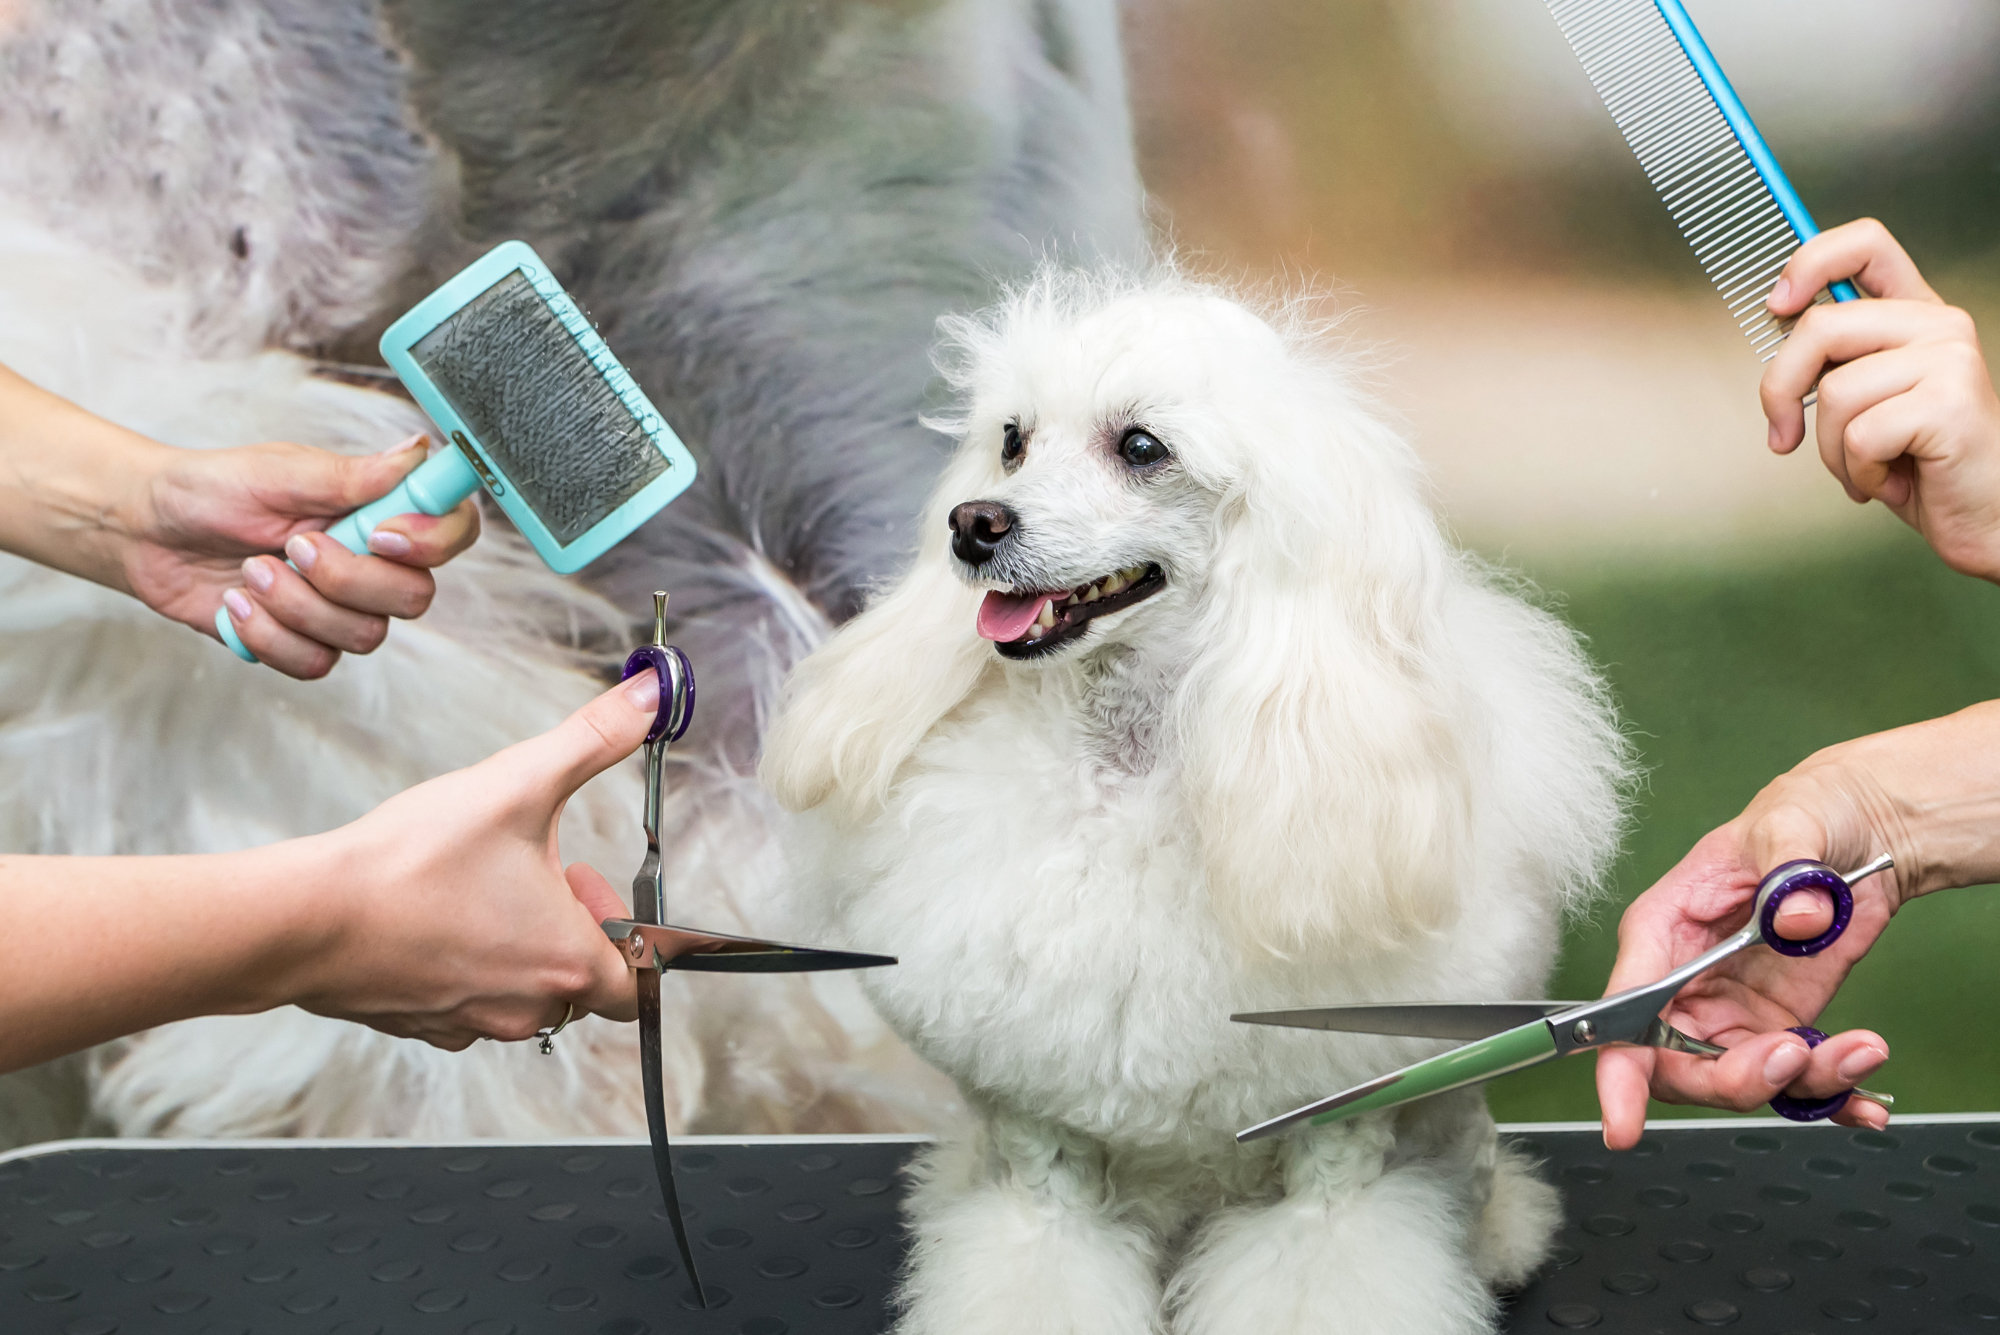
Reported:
(1711, 185)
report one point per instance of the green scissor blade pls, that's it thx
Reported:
(1525, 1045)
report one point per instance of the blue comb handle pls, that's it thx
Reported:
(437, 484)
(1746, 131)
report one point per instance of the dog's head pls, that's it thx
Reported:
(1148, 465)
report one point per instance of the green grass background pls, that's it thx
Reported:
(1729, 672)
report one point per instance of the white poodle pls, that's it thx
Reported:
(1188, 707)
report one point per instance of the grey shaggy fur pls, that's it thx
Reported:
(765, 205)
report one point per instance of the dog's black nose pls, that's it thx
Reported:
(977, 530)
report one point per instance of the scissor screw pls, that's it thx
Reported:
(635, 946)
(1584, 1032)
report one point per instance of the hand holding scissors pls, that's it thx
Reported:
(1511, 1036)
(1748, 1003)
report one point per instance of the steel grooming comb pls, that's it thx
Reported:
(1699, 148)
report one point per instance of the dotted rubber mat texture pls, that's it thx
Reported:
(1779, 1230)
(1782, 1230)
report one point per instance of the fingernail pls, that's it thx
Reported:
(300, 548)
(1781, 292)
(644, 692)
(238, 605)
(1861, 1062)
(257, 574)
(388, 544)
(1773, 439)
(409, 443)
(1783, 1065)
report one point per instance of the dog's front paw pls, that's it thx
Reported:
(1387, 1258)
(1030, 1254)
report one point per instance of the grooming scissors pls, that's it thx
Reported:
(1514, 1035)
(651, 944)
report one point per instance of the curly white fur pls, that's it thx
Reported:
(1331, 760)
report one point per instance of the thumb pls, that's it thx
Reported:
(593, 739)
(343, 483)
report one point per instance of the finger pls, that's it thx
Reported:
(277, 646)
(1850, 390)
(1646, 937)
(364, 584)
(591, 740)
(1830, 334)
(1862, 1114)
(1840, 1062)
(612, 993)
(283, 593)
(427, 541)
(1624, 1076)
(307, 481)
(1801, 917)
(1862, 251)
(1745, 1077)
(594, 892)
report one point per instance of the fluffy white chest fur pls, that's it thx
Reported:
(1186, 707)
(1061, 952)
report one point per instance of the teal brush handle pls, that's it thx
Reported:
(437, 485)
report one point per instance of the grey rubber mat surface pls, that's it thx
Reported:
(1770, 1229)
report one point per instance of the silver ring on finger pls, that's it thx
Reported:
(548, 1036)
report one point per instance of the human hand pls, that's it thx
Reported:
(455, 919)
(199, 530)
(1907, 410)
(1824, 811)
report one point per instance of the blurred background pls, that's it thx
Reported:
(1589, 413)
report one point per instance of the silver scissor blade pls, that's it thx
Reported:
(1419, 1019)
(647, 897)
(656, 1120)
(666, 946)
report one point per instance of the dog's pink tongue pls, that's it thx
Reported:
(1007, 616)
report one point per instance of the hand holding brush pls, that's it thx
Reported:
(181, 530)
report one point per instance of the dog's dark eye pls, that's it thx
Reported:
(1141, 448)
(1010, 442)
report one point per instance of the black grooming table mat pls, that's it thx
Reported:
(1775, 1229)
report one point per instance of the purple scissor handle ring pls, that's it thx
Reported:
(676, 688)
(1809, 1110)
(1782, 882)
(1790, 879)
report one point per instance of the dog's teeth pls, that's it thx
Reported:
(1134, 575)
(1048, 616)
(1113, 583)
(1092, 594)
(1070, 601)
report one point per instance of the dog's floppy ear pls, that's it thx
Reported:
(852, 712)
(1322, 769)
